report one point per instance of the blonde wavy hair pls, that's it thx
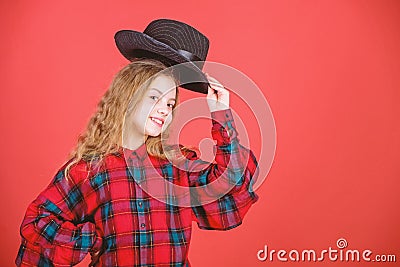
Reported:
(103, 134)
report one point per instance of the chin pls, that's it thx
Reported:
(153, 133)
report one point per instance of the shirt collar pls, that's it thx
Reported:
(139, 153)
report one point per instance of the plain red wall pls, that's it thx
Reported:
(329, 70)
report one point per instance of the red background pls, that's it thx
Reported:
(329, 70)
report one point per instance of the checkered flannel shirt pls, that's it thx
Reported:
(107, 210)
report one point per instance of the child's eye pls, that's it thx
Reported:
(153, 97)
(171, 105)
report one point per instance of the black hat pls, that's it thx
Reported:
(171, 42)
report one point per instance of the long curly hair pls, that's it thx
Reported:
(103, 134)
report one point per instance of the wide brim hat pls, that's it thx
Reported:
(171, 42)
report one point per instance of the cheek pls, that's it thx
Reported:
(168, 120)
(143, 113)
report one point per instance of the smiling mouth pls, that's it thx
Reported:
(158, 122)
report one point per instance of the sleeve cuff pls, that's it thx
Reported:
(223, 126)
(222, 115)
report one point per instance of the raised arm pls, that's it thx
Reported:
(229, 179)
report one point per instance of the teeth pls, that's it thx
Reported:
(157, 120)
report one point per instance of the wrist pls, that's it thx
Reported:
(221, 116)
(218, 109)
(223, 129)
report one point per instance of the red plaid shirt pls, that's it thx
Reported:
(107, 209)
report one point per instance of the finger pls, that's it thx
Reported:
(211, 92)
(220, 89)
(94, 258)
(217, 86)
(212, 79)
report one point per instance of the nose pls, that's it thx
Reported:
(162, 108)
(162, 111)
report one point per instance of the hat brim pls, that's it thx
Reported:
(133, 44)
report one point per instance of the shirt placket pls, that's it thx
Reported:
(144, 227)
(143, 209)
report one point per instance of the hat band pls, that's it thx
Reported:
(188, 55)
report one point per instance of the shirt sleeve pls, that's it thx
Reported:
(228, 180)
(57, 229)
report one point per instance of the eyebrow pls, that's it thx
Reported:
(161, 93)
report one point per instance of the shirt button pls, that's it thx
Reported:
(142, 225)
(140, 204)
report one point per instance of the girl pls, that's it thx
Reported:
(95, 203)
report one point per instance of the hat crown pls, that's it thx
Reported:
(179, 36)
(171, 42)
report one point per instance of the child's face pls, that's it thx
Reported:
(154, 112)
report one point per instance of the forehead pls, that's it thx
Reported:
(163, 84)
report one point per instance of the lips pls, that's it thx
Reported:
(158, 121)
